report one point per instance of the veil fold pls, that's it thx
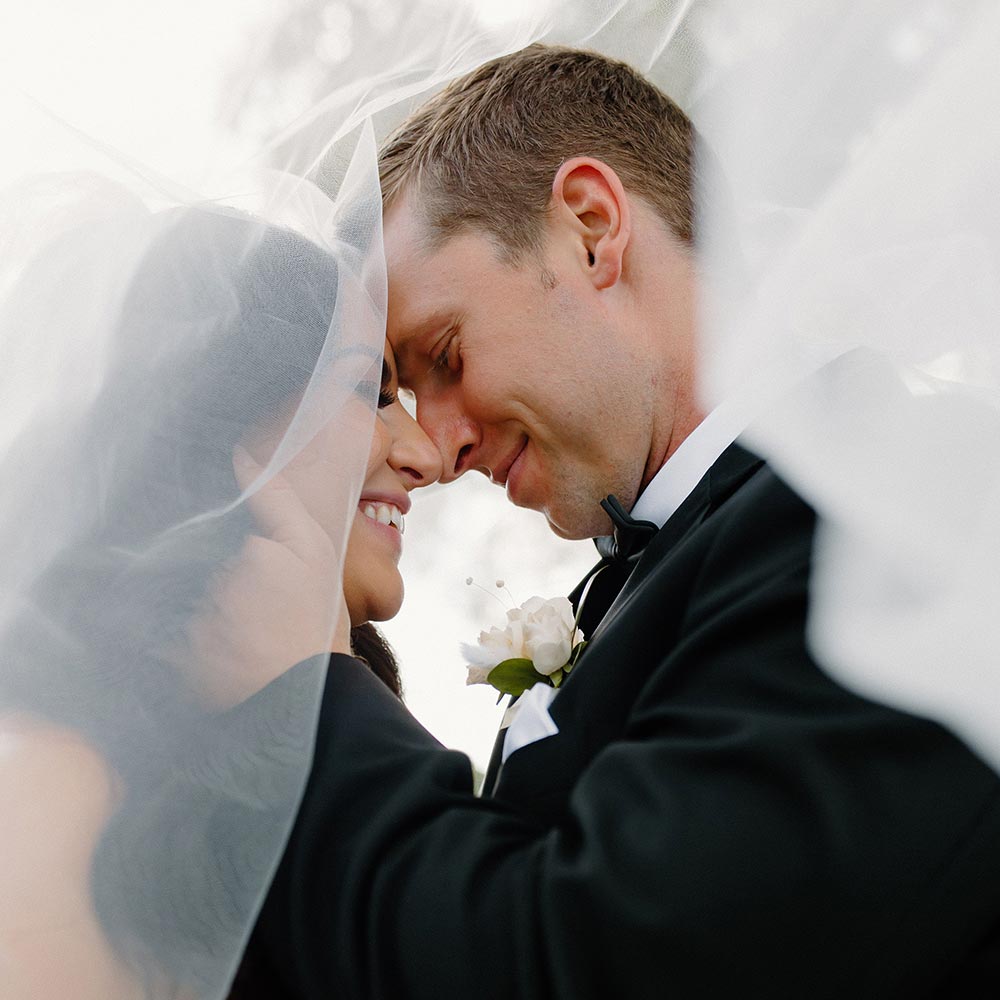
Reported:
(862, 156)
(150, 338)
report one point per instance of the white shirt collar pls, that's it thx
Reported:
(686, 467)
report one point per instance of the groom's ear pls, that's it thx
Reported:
(588, 196)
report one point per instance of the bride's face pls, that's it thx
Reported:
(402, 458)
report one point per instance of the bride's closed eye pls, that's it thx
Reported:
(386, 395)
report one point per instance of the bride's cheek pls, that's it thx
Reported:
(354, 561)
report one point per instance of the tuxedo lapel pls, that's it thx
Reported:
(606, 581)
(730, 470)
(493, 768)
(733, 468)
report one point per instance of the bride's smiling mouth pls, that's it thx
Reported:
(383, 513)
(384, 516)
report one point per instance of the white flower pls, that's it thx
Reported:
(494, 647)
(539, 630)
(548, 632)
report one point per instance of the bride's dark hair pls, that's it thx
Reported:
(254, 304)
(368, 644)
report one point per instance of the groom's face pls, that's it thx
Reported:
(520, 371)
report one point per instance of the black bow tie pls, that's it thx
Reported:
(630, 536)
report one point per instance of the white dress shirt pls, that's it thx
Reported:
(687, 466)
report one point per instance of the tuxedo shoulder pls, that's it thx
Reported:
(764, 527)
(765, 513)
(766, 496)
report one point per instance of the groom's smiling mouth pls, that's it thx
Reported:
(501, 472)
(508, 473)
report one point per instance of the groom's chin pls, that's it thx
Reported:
(558, 529)
(571, 513)
(576, 524)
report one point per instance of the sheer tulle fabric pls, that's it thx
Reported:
(860, 151)
(848, 238)
(144, 343)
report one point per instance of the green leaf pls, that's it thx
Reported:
(555, 678)
(515, 676)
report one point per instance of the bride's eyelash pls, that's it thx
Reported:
(386, 397)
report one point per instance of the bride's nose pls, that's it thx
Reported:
(413, 455)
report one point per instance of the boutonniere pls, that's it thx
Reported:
(539, 644)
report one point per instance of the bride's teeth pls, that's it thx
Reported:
(384, 513)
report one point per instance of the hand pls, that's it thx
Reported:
(280, 602)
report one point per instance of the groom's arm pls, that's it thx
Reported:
(389, 829)
(755, 829)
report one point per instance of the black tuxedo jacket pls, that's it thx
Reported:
(716, 817)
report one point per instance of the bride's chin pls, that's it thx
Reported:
(367, 603)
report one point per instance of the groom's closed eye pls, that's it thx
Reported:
(447, 354)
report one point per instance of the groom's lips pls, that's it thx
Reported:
(499, 474)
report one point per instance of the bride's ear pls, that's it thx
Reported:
(588, 196)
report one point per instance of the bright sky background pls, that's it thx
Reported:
(147, 76)
(144, 77)
(148, 79)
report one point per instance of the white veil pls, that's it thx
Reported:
(858, 224)
(147, 337)
(863, 155)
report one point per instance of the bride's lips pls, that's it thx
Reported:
(383, 515)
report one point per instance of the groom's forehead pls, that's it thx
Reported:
(417, 315)
(405, 233)
(422, 296)
(424, 289)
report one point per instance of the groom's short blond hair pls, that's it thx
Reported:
(483, 152)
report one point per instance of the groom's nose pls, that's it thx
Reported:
(455, 435)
